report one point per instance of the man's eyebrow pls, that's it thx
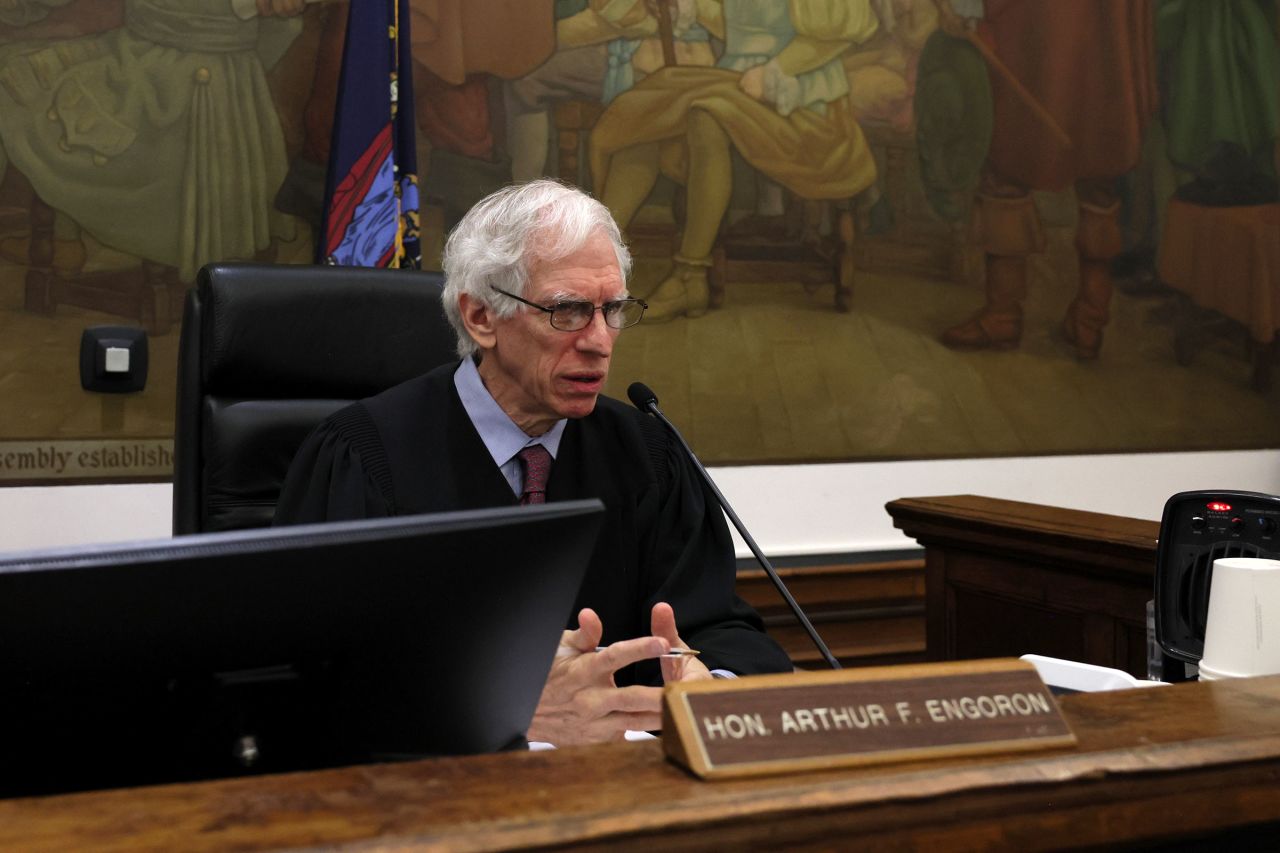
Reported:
(568, 296)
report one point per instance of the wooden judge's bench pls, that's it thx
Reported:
(1169, 764)
(1189, 766)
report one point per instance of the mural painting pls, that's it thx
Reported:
(868, 229)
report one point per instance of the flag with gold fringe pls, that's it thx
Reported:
(371, 195)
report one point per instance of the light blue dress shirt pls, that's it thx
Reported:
(501, 437)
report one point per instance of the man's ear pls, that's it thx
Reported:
(479, 320)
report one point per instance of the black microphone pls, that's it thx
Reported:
(646, 401)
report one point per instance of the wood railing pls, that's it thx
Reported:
(1010, 578)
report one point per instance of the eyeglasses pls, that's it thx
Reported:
(574, 316)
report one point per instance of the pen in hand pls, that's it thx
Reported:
(674, 653)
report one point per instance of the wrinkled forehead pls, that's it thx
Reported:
(552, 238)
(589, 270)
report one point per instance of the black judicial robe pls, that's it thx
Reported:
(413, 449)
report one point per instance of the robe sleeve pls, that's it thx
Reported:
(691, 566)
(338, 474)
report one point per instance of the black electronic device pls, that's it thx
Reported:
(283, 649)
(643, 398)
(1197, 528)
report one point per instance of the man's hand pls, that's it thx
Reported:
(752, 82)
(580, 702)
(662, 621)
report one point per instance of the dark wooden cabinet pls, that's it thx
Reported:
(1006, 578)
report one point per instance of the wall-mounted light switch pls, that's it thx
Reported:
(116, 360)
(113, 359)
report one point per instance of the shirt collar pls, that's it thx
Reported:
(501, 437)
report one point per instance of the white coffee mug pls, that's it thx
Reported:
(1242, 634)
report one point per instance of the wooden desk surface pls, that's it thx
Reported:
(1150, 764)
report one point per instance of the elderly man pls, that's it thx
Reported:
(537, 295)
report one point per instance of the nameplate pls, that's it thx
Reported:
(815, 720)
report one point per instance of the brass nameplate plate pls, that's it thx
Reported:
(813, 720)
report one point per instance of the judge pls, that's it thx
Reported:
(536, 293)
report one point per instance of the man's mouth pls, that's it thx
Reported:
(586, 382)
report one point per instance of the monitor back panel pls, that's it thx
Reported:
(286, 649)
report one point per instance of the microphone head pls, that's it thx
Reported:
(641, 397)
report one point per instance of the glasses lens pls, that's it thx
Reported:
(623, 313)
(571, 316)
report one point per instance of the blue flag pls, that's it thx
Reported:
(371, 196)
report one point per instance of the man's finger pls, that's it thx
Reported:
(686, 669)
(588, 633)
(626, 652)
(642, 722)
(662, 623)
(633, 700)
(614, 727)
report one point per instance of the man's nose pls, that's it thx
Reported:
(597, 336)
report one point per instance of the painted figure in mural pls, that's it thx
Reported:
(22, 13)
(462, 47)
(882, 83)
(778, 96)
(882, 70)
(1217, 65)
(159, 137)
(602, 50)
(1091, 70)
(1221, 62)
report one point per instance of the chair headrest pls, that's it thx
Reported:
(298, 331)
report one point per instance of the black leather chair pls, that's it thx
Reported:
(267, 352)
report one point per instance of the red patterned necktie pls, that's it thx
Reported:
(537, 466)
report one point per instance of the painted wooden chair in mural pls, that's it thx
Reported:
(56, 270)
(815, 248)
(828, 242)
(149, 294)
(573, 122)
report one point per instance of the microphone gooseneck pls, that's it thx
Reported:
(646, 401)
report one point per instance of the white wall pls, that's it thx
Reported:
(789, 509)
(821, 509)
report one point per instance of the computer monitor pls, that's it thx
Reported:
(291, 648)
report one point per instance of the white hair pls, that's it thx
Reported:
(496, 242)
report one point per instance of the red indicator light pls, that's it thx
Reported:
(1218, 506)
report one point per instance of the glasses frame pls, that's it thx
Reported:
(644, 306)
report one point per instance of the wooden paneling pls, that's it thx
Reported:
(1011, 578)
(866, 613)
